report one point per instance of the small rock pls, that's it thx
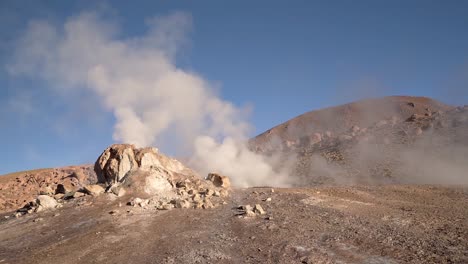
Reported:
(207, 204)
(182, 204)
(118, 190)
(223, 193)
(59, 196)
(38, 219)
(138, 202)
(246, 210)
(258, 209)
(46, 202)
(78, 194)
(196, 197)
(216, 194)
(209, 192)
(167, 206)
(114, 212)
(219, 180)
(268, 199)
(93, 189)
(18, 214)
(6, 216)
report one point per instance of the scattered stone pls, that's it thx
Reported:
(117, 190)
(138, 202)
(219, 180)
(258, 209)
(223, 193)
(216, 194)
(114, 212)
(78, 194)
(93, 189)
(209, 192)
(183, 204)
(167, 206)
(196, 197)
(268, 199)
(59, 196)
(246, 210)
(39, 219)
(207, 204)
(17, 214)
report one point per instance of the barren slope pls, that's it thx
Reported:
(338, 119)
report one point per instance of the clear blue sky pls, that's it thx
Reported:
(282, 57)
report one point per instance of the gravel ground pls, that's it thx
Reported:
(368, 224)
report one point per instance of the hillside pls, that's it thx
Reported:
(390, 140)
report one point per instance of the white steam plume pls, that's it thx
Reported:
(151, 99)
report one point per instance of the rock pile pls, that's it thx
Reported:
(46, 202)
(146, 178)
(154, 180)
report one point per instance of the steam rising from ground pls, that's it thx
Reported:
(151, 98)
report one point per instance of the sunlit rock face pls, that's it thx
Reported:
(119, 161)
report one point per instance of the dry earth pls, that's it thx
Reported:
(381, 224)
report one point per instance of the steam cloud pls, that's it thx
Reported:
(152, 99)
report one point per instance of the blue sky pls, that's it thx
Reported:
(282, 58)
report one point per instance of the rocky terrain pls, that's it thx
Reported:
(375, 181)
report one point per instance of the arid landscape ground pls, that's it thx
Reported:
(375, 181)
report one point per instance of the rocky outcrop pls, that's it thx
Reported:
(119, 160)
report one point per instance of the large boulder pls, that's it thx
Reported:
(156, 171)
(46, 202)
(115, 162)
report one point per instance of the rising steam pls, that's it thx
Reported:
(138, 81)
